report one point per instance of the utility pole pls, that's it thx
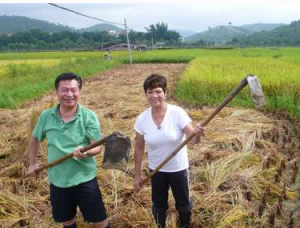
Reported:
(152, 43)
(128, 44)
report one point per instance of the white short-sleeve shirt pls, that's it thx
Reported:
(162, 142)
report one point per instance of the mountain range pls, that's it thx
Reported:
(185, 32)
(288, 35)
(14, 24)
(223, 34)
(258, 34)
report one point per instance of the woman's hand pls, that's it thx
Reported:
(199, 130)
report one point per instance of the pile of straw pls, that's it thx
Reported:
(243, 174)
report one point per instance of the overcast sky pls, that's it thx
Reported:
(188, 15)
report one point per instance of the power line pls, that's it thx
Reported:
(72, 11)
(109, 22)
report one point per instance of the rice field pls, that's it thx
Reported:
(210, 75)
(207, 81)
(8, 68)
(24, 77)
(243, 174)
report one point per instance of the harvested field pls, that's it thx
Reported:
(243, 174)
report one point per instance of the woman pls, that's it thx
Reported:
(163, 127)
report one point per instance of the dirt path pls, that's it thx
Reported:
(117, 97)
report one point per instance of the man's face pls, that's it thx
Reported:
(68, 93)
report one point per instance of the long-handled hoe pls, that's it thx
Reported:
(258, 99)
(116, 154)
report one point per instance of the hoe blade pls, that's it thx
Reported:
(256, 91)
(117, 151)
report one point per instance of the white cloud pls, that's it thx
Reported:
(189, 15)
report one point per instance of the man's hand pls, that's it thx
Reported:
(137, 183)
(31, 170)
(78, 154)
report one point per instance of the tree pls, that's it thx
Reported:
(160, 32)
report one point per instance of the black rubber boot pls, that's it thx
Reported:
(160, 217)
(185, 219)
(71, 226)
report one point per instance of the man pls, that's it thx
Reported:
(67, 128)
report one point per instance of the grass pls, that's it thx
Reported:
(25, 76)
(25, 80)
(210, 75)
(208, 80)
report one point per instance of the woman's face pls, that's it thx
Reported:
(156, 97)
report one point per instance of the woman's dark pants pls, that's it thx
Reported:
(179, 183)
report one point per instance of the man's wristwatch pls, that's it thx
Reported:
(87, 153)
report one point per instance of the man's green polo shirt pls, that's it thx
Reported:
(62, 139)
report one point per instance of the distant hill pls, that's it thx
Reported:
(185, 33)
(14, 24)
(222, 34)
(258, 27)
(218, 35)
(101, 27)
(288, 35)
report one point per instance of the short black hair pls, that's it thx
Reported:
(67, 76)
(155, 81)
